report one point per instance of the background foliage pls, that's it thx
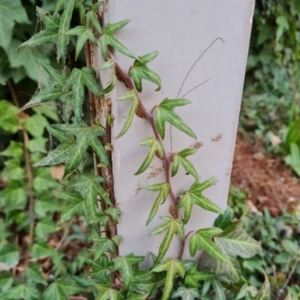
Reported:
(270, 107)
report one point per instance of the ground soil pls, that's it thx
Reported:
(268, 180)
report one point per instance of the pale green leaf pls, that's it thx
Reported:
(135, 102)
(163, 189)
(9, 255)
(10, 12)
(265, 291)
(8, 120)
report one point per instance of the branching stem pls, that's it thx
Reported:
(124, 77)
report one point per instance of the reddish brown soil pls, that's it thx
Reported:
(268, 180)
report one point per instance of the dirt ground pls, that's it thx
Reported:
(269, 182)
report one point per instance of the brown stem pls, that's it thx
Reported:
(29, 176)
(123, 76)
(182, 245)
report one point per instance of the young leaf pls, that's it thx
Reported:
(203, 239)
(103, 245)
(92, 18)
(172, 226)
(135, 102)
(125, 264)
(180, 159)
(109, 65)
(140, 71)
(155, 145)
(84, 34)
(163, 189)
(172, 267)
(186, 293)
(107, 39)
(164, 113)
(78, 79)
(194, 196)
(265, 292)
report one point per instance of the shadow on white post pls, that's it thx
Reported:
(203, 48)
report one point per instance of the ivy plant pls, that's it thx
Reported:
(82, 138)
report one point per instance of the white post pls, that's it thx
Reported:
(203, 47)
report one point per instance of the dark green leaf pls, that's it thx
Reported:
(9, 255)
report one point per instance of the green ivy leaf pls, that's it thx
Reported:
(10, 12)
(15, 190)
(108, 39)
(164, 113)
(109, 65)
(140, 71)
(219, 290)
(89, 188)
(172, 267)
(161, 198)
(186, 293)
(64, 26)
(48, 35)
(135, 102)
(155, 146)
(41, 250)
(35, 125)
(6, 281)
(26, 57)
(103, 245)
(8, 121)
(194, 196)
(9, 255)
(22, 291)
(92, 18)
(108, 293)
(203, 239)
(265, 291)
(45, 204)
(125, 264)
(172, 226)
(33, 274)
(84, 34)
(193, 277)
(76, 82)
(75, 206)
(44, 227)
(43, 180)
(61, 290)
(180, 159)
(85, 137)
(237, 242)
(15, 149)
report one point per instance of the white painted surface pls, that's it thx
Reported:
(181, 31)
